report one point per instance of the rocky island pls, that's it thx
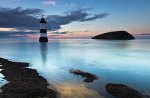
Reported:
(116, 35)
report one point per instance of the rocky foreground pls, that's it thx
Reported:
(23, 82)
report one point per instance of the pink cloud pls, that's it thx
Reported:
(49, 2)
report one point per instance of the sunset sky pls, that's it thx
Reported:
(74, 18)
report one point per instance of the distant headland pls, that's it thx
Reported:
(115, 35)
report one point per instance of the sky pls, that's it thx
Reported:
(73, 18)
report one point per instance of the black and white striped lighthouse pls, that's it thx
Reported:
(43, 31)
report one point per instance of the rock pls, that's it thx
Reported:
(122, 91)
(88, 77)
(116, 35)
(23, 82)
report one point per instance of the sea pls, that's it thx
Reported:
(120, 62)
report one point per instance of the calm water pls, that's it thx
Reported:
(125, 62)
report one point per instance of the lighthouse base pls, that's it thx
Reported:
(43, 39)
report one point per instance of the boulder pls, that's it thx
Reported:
(88, 77)
(122, 91)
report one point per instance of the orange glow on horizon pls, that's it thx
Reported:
(70, 34)
(9, 29)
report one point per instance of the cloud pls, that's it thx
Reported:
(19, 18)
(9, 34)
(67, 32)
(97, 16)
(56, 21)
(143, 34)
(81, 31)
(49, 2)
(60, 32)
(28, 19)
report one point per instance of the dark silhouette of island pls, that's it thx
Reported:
(115, 35)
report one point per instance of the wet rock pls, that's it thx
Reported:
(116, 35)
(88, 77)
(122, 91)
(23, 82)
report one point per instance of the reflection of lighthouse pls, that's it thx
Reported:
(44, 52)
(43, 31)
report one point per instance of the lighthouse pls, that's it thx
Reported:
(43, 31)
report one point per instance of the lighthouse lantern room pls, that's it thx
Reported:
(43, 31)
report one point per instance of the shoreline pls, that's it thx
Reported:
(23, 82)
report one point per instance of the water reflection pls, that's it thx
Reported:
(119, 44)
(71, 90)
(44, 52)
(124, 62)
(55, 51)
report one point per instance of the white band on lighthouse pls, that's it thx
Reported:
(43, 34)
(43, 26)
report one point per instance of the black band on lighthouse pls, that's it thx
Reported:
(43, 39)
(43, 31)
(43, 20)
